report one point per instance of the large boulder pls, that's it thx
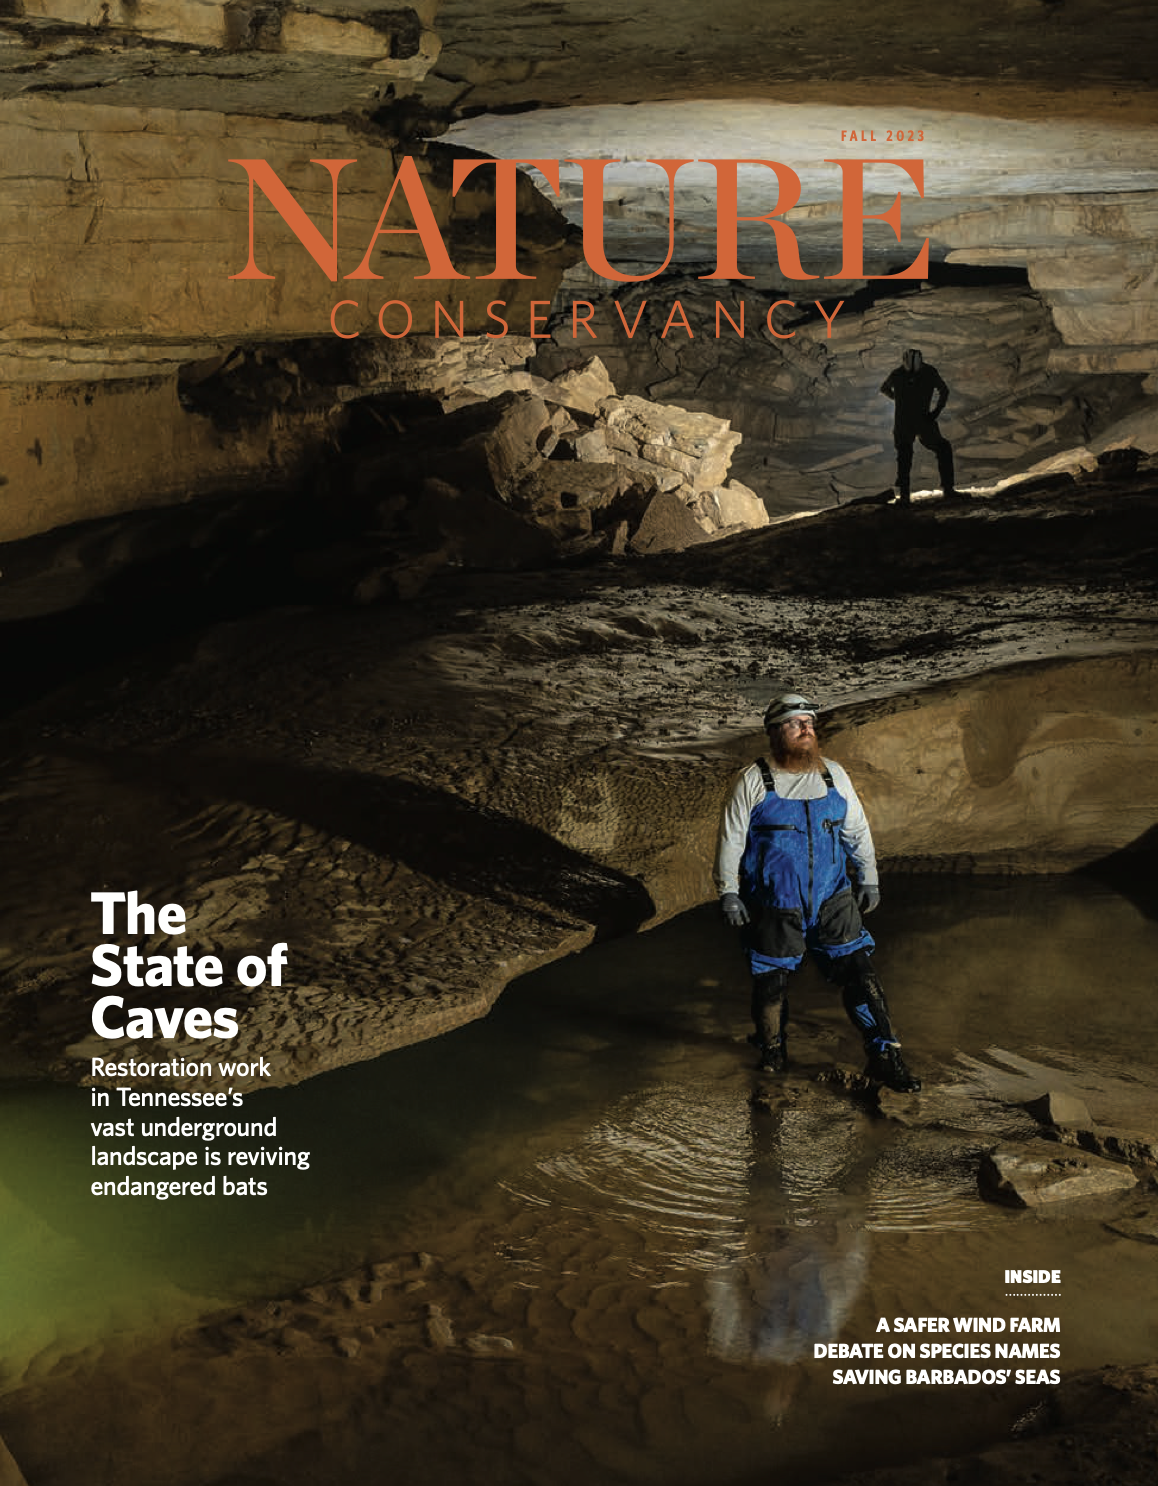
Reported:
(1034, 1174)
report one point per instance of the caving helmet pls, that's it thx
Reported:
(781, 708)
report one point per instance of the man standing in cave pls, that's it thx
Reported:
(795, 870)
(919, 393)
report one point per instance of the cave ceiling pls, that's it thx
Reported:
(1013, 99)
(1008, 100)
(1012, 58)
(1078, 59)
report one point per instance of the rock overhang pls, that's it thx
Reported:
(971, 167)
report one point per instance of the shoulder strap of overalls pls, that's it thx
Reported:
(769, 786)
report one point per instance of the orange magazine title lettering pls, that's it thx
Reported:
(408, 181)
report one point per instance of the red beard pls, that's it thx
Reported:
(801, 756)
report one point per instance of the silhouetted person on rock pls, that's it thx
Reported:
(795, 870)
(919, 393)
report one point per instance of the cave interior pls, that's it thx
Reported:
(307, 572)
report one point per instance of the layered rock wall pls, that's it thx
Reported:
(1091, 258)
(123, 231)
(396, 40)
(73, 452)
(126, 232)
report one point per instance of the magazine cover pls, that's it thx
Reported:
(578, 729)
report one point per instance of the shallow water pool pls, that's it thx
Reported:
(659, 1255)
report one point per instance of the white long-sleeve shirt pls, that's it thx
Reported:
(747, 792)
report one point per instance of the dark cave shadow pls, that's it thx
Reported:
(472, 849)
(1132, 871)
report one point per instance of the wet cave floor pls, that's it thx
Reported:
(567, 1246)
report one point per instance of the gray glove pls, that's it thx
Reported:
(868, 897)
(732, 907)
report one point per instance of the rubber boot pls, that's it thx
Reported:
(770, 1014)
(864, 1001)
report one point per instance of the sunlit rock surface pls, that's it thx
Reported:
(1032, 769)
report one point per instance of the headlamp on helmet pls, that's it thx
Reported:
(781, 709)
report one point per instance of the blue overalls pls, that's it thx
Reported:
(795, 884)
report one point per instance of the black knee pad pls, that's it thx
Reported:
(853, 970)
(768, 988)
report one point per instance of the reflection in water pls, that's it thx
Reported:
(806, 1248)
(762, 1196)
(773, 1306)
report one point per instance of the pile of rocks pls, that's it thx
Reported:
(622, 472)
(567, 457)
(1096, 1162)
